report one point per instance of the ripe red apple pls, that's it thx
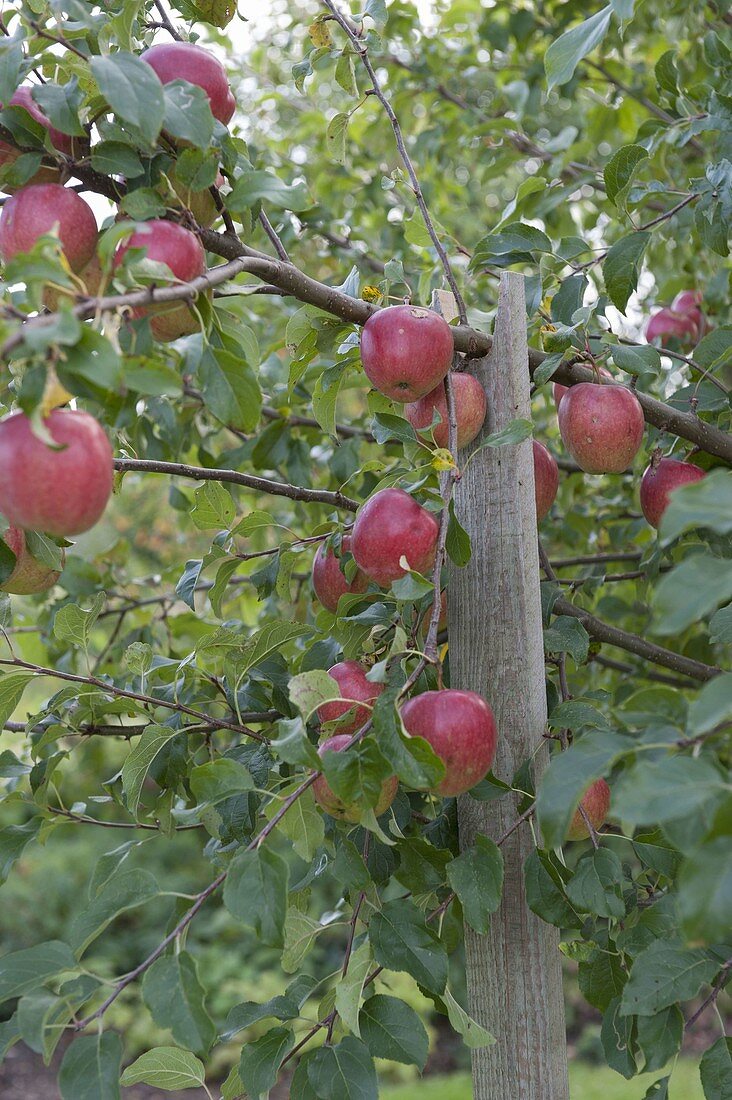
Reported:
(30, 575)
(667, 323)
(391, 525)
(601, 426)
(461, 729)
(62, 492)
(171, 244)
(406, 351)
(546, 479)
(559, 390)
(186, 61)
(44, 208)
(329, 581)
(470, 410)
(353, 685)
(660, 480)
(596, 803)
(333, 805)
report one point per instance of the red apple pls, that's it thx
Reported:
(329, 581)
(168, 243)
(596, 803)
(560, 390)
(43, 208)
(352, 685)
(660, 480)
(30, 575)
(470, 410)
(546, 479)
(461, 729)
(406, 351)
(62, 492)
(667, 323)
(601, 426)
(186, 61)
(391, 525)
(333, 805)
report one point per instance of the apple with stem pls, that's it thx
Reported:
(187, 61)
(470, 409)
(660, 479)
(353, 688)
(330, 801)
(389, 527)
(406, 351)
(181, 251)
(63, 488)
(29, 576)
(596, 804)
(328, 579)
(601, 426)
(460, 727)
(558, 390)
(48, 208)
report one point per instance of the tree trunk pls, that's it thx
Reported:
(514, 972)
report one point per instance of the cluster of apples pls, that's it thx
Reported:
(62, 489)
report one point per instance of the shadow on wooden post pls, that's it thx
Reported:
(514, 972)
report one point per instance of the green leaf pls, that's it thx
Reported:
(124, 891)
(12, 686)
(666, 972)
(387, 426)
(457, 543)
(476, 876)
(596, 886)
(73, 624)
(260, 1061)
(263, 186)
(213, 507)
(13, 841)
(412, 758)
(563, 55)
(705, 892)
(401, 940)
(669, 789)
(24, 970)
(167, 1068)
(712, 706)
(622, 267)
(618, 1040)
(175, 998)
(188, 113)
(545, 893)
(620, 170)
(715, 1070)
(133, 91)
(309, 690)
(343, 1072)
(659, 1037)
(140, 759)
(300, 935)
(601, 978)
(61, 103)
(43, 1016)
(691, 590)
(473, 1035)
(90, 1068)
(111, 157)
(720, 625)
(219, 779)
(393, 1030)
(637, 360)
(324, 401)
(255, 892)
(303, 823)
(567, 635)
(705, 503)
(345, 74)
(349, 990)
(230, 389)
(335, 137)
(285, 1006)
(271, 638)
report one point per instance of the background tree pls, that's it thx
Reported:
(174, 678)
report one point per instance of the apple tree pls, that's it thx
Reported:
(346, 303)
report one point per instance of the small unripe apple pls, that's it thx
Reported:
(171, 244)
(470, 409)
(329, 580)
(333, 805)
(201, 204)
(186, 61)
(461, 729)
(62, 492)
(596, 803)
(660, 480)
(353, 686)
(406, 351)
(559, 390)
(546, 479)
(601, 426)
(30, 576)
(391, 525)
(43, 208)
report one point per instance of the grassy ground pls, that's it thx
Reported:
(586, 1083)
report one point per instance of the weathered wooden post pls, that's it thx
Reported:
(514, 972)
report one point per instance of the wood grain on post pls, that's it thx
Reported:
(514, 972)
